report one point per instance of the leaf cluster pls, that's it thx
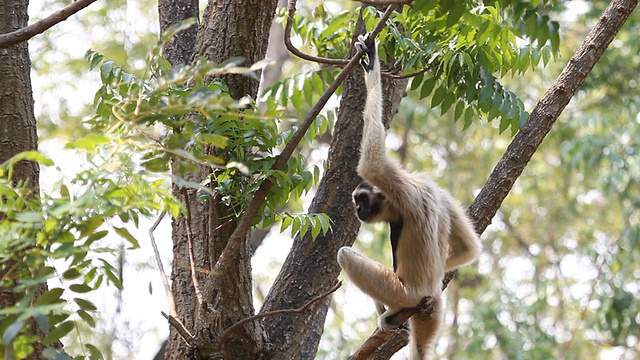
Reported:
(171, 125)
(464, 46)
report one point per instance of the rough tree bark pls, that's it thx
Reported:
(178, 50)
(228, 28)
(311, 267)
(17, 121)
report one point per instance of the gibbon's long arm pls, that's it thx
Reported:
(374, 165)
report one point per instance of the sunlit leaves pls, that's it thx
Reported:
(466, 47)
(301, 223)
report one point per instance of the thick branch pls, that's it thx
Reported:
(41, 26)
(235, 241)
(526, 142)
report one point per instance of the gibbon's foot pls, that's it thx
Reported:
(384, 326)
(365, 45)
(427, 307)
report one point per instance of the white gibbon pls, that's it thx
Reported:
(430, 231)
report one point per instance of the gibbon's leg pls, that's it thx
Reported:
(382, 284)
(464, 244)
(424, 334)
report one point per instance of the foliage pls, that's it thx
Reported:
(147, 132)
(559, 275)
(464, 48)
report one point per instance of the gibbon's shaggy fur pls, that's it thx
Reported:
(430, 231)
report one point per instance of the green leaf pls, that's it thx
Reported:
(58, 332)
(12, 331)
(307, 91)
(106, 71)
(468, 117)
(94, 352)
(296, 226)
(554, 31)
(71, 274)
(458, 111)
(427, 87)
(504, 124)
(316, 227)
(85, 305)
(286, 222)
(438, 96)
(55, 354)
(80, 288)
(447, 102)
(416, 81)
(96, 236)
(49, 297)
(216, 140)
(455, 13)
(94, 58)
(88, 142)
(325, 221)
(87, 318)
(29, 217)
(123, 232)
(31, 155)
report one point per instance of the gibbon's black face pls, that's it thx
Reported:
(369, 202)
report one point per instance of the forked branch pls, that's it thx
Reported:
(527, 140)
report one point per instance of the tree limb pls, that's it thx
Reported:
(299, 310)
(180, 328)
(27, 32)
(529, 138)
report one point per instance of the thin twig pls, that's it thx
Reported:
(192, 261)
(27, 32)
(184, 333)
(163, 274)
(292, 49)
(405, 76)
(300, 310)
(236, 239)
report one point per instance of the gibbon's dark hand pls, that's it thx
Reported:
(366, 45)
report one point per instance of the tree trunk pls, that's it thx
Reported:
(178, 50)
(311, 267)
(229, 28)
(17, 122)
